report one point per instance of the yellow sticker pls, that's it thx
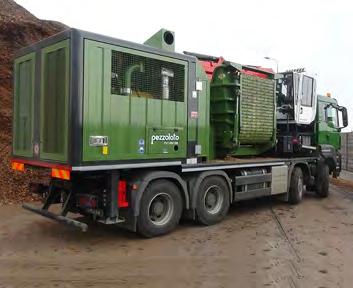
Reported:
(105, 150)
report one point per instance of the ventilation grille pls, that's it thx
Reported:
(23, 106)
(54, 102)
(147, 77)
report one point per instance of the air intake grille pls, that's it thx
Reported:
(54, 101)
(147, 77)
(257, 108)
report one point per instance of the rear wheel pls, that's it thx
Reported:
(212, 200)
(296, 189)
(160, 209)
(322, 180)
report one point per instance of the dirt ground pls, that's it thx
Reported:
(262, 243)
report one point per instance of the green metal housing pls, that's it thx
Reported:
(83, 99)
(242, 111)
(86, 99)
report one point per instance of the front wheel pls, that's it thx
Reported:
(160, 209)
(322, 180)
(296, 188)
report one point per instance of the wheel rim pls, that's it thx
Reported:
(213, 199)
(300, 187)
(160, 209)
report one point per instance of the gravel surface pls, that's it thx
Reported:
(262, 243)
(18, 28)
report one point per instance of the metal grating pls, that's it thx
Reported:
(257, 108)
(134, 75)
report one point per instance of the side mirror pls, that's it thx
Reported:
(344, 117)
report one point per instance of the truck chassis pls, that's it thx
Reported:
(150, 198)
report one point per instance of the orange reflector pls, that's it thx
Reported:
(18, 166)
(60, 173)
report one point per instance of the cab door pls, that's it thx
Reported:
(329, 132)
(307, 100)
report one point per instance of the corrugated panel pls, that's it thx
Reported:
(257, 110)
(54, 101)
(23, 105)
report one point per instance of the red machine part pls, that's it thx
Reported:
(258, 74)
(209, 66)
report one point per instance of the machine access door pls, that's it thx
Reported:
(134, 104)
(307, 99)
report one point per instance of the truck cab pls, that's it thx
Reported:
(297, 97)
(331, 118)
(296, 111)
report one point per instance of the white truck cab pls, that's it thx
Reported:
(297, 99)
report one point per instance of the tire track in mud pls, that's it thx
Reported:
(284, 234)
(293, 272)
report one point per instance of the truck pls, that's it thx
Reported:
(139, 136)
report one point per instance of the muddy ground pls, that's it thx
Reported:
(262, 243)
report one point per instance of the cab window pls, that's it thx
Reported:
(307, 91)
(331, 116)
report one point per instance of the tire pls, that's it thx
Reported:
(212, 202)
(296, 188)
(160, 209)
(322, 180)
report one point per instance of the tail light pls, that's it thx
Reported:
(18, 166)
(122, 197)
(60, 173)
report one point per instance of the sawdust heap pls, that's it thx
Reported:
(18, 28)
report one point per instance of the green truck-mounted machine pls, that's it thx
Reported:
(139, 136)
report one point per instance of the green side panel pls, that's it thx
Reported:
(326, 132)
(203, 121)
(54, 101)
(94, 108)
(124, 101)
(257, 108)
(23, 105)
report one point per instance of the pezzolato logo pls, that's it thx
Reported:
(166, 137)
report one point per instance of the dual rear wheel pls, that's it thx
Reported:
(297, 188)
(160, 208)
(213, 201)
(162, 204)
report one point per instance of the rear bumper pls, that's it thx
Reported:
(59, 218)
